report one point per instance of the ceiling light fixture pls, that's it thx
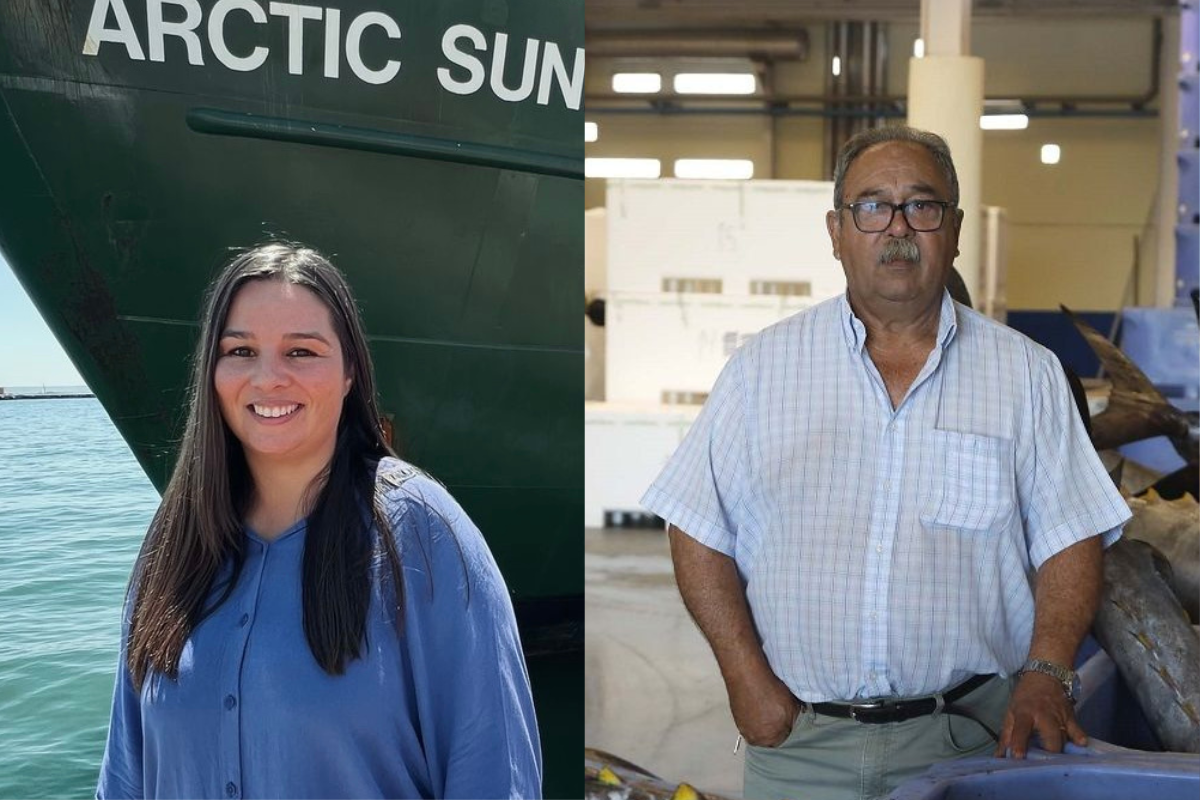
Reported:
(591, 131)
(715, 168)
(637, 82)
(1004, 122)
(715, 83)
(621, 168)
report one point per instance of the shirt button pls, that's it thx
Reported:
(242, 622)
(887, 486)
(230, 701)
(872, 675)
(878, 548)
(874, 616)
(231, 789)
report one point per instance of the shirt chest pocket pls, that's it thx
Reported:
(972, 485)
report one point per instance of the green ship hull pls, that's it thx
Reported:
(432, 148)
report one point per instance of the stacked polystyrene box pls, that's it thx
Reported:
(626, 445)
(694, 268)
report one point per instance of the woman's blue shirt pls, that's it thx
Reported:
(443, 710)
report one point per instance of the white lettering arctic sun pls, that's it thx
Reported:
(460, 44)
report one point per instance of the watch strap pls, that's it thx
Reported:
(1063, 675)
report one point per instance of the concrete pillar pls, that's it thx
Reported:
(945, 96)
(946, 27)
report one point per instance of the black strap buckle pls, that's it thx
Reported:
(880, 710)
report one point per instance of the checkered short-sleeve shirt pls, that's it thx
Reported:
(888, 552)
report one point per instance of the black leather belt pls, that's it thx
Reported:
(875, 712)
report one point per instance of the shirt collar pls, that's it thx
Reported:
(297, 527)
(948, 323)
(853, 329)
(855, 332)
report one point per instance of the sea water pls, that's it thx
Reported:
(74, 506)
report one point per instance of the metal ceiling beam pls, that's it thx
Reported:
(602, 15)
(665, 108)
(1033, 103)
(781, 45)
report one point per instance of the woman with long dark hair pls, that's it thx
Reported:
(310, 616)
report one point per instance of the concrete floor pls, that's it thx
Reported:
(653, 695)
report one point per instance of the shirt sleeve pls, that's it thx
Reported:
(1066, 495)
(477, 719)
(701, 489)
(121, 768)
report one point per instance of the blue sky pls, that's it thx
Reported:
(29, 353)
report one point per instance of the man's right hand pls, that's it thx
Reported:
(764, 709)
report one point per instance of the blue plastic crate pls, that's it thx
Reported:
(1165, 344)
(1189, 183)
(1189, 31)
(1187, 261)
(1189, 101)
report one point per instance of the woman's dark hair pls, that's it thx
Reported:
(198, 525)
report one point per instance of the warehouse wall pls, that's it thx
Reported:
(1072, 225)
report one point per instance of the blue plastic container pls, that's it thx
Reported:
(1079, 776)
(1106, 709)
(1119, 763)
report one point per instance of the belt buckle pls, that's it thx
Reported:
(870, 708)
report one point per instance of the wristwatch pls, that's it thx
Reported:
(1067, 677)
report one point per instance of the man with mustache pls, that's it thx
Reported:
(888, 520)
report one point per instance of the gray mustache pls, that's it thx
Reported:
(900, 250)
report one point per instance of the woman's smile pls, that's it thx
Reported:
(274, 413)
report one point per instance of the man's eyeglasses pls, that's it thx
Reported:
(874, 216)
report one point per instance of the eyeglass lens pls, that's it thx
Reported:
(873, 217)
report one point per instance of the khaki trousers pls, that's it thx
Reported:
(829, 758)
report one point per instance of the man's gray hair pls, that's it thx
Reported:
(858, 143)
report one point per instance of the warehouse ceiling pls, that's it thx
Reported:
(626, 15)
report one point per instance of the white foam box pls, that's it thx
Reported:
(595, 251)
(663, 347)
(627, 445)
(743, 234)
(594, 341)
